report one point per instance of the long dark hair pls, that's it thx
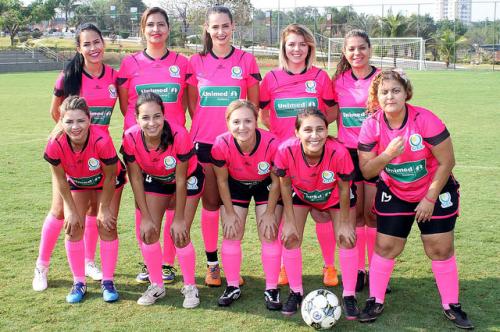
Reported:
(343, 64)
(73, 71)
(167, 138)
(207, 40)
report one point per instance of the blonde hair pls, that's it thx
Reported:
(386, 75)
(303, 31)
(71, 103)
(240, 103)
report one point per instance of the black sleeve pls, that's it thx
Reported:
(280, 172)
(346, 177)
(187, 156)
(435, 140)
(330, 102)
(257, 76)
(263, 104)
(121, 80)
(53, 162)
(218, 163)
(58, 92)
(366, 147)
(128, 158)
(110, 161)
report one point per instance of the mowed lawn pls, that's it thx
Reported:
(467, 101)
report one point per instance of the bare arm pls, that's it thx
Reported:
(332, 113)
(253, 94)
(371, 165)
(192, 99)
(104, 215)
(123, 98)
(54, 107)
(72, 220)
(264, 117)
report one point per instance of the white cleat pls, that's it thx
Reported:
(40, 278)
(191, 297)
(153, 293)
(92, 271)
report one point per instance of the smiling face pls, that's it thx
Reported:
(242, 124)
(156, 29)
(151, 119)
(76, 125)
(312, 134)
(296, 49)
(357, 52)
(220, 28)
(91, 47)
(391, 96)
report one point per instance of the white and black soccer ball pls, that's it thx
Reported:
(321, 309)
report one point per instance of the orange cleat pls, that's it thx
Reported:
(242, 281)
(212, 279)
(283, 279)
(330, 277)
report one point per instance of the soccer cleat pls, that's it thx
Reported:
(92, 271)
(40, 278)
(371, 311)
(272, 297)
(457, 316)
(109, 293)
(292, 304)
(143, 276)
(191, 297)
(241, 281)
(168, 274)
(153, 293)
(283, 279)
(330, 278)
(230, 295)
(212, 279)
(360, 281)
(77, 293)
(350, 306)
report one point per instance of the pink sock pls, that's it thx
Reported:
(292, 259)
(109, 258)
(210, 229)
(152, 257)
(348, 259)
(231, 260)
(446, 275)
(326, 240)
(371, 236)
(90, 238)
(138, 227)
(50, 233)
(75, 251)
(168, 244)
(380, 273)
(271, 261)
(187, 262)
(360, 245)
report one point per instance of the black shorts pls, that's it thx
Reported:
(395, 216)
(203, 152)
(121, 180)
(243, 191)
(296, 200)
(195, 184)
(358, 176)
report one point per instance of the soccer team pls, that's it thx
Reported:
(390, 164)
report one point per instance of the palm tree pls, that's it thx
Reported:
(447, 43)
(396, 26)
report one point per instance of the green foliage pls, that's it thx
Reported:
(124, 34)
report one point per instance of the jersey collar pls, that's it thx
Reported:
(84, 144)
(402, 124)
(305, 159)
(257, 143)
(226, 57)
(103, 71)
(153, 59)
(367, 77)
(302, 72)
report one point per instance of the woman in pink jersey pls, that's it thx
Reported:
(164, 72)
(84, 162)
(161, 162)
(315, 172)
(351, 83)
(221, 73)
(243, 158)
(411, 149)
(293, 86)
(87, 76)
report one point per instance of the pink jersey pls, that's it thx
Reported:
(253, 166)
(351, 94)
(83, 168)
(99, 93)
(284, 94)
(166, 77)
(219, 82)
(315, 184)
(160, 164)
(410, 174)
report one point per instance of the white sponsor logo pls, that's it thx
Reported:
(94, 164)
(192, 183)
(445, 199)
(385, 197)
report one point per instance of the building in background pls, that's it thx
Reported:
(454, 10)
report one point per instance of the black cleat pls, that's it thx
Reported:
(350, 306)
(360, 281)
(371, 311)
(230, 295)
(272, 297)
(457, 316)
(292, 304)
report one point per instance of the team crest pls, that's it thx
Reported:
(169, 162)
(445, 200)
(236, 73)
(112, 91)
(415, 141)
(192, 183)
(310, 86)
(94, 164)
(174, 71)
(263, 168)
(328, 176)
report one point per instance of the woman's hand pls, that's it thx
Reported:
(268, 226)
(346, 234)
(72, 223)
(106, 219)
(231, 226)
(290, 235)
(179, 233)
(424, 210)
(395, 148)
(149, 231)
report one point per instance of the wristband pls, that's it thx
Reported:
(433, 201)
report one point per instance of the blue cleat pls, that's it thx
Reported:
(77, 293)
(109, 293)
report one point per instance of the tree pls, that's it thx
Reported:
(447, 43)
(67, 6)
(180, 10)
(394, 25)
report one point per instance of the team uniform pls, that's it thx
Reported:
(406, 179)
(99, 93)
(158, 167)
(249, 173)
(284, 94)
(219, 82)
(351, 94)
(140, 73)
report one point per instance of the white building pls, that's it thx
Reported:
(454, 10)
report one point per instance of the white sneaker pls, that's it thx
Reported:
(92, 271)
(153, 293)
(191, 297)
(40, 278)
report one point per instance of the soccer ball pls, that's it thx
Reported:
(321, 309)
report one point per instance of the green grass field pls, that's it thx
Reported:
(467, 102)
